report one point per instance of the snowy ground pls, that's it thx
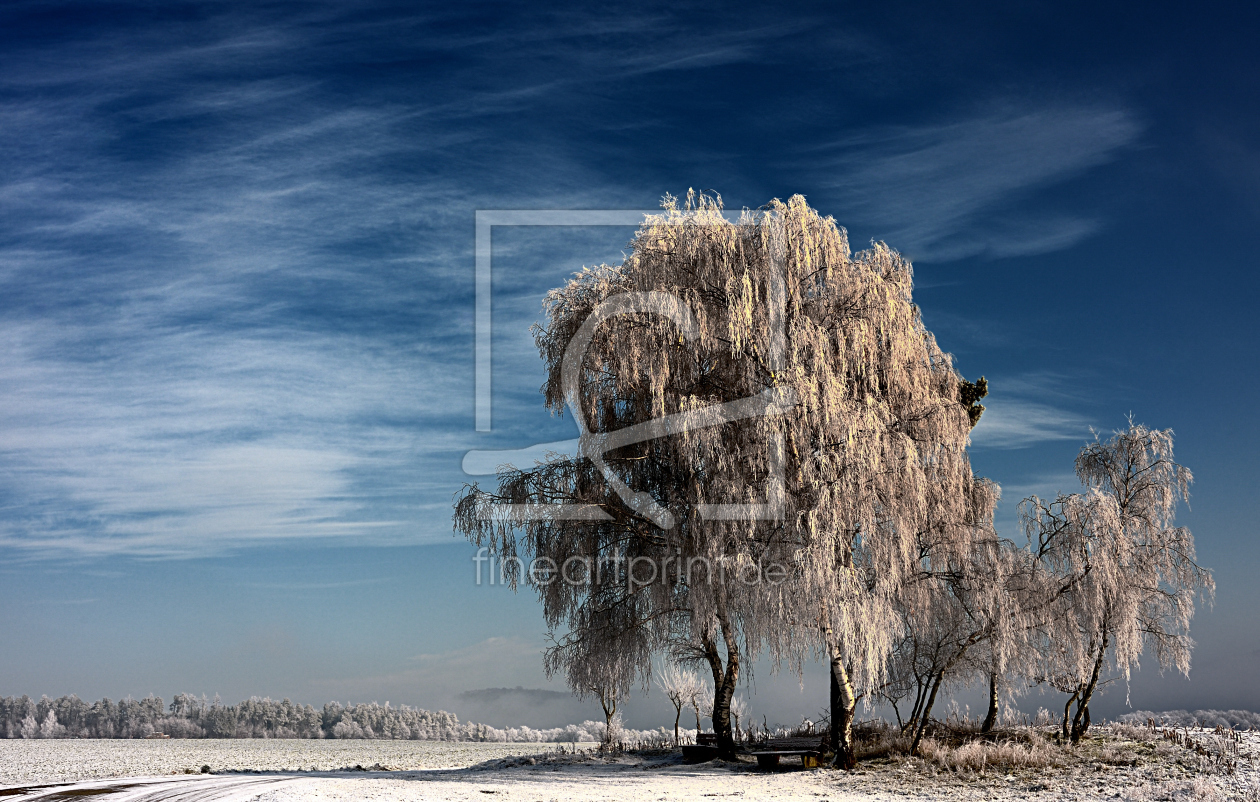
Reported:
(23, 761)
(554, 777)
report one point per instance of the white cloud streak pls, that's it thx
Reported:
(237, 300)
(1022, 411)
(230, 316)
(946, 191)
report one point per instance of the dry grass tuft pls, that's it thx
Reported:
(878, 739)
(1132, 732)
(1132, 762)
(1200, 789)
(980, 756)
(1118, 756)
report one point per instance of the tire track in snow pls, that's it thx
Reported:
(153, 789)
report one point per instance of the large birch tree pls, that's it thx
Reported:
(756, 399)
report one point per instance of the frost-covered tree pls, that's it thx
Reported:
(683, 688)
(761, 363)
(739, 712)
(697, 702)
(1121, 577)
(878, 463)
(609, 696)
(962, 613)
(50, 728)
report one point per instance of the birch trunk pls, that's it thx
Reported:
(843, 703)
(1067, 711)
(724, 681)
(990, 718)
(1080, 722)
(927, 713)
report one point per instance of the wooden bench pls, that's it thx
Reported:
(769, 752)
(703, 750)
(770, 760)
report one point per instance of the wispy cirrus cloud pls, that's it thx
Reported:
(1022, 411)
(236, 276)
(196, 441)
(944, 191)
(228, 317)
(1018, 422)
(236, 284)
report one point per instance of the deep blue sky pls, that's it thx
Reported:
(236, 296)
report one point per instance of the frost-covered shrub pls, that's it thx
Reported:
(979, 756)
(1132, 732)
(571, 734)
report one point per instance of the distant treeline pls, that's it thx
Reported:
(1237, 719)
(196, 717)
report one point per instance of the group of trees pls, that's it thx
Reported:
(1100, 577)
(684, 689)
(773, 460)
(196, 717)
(71, 717)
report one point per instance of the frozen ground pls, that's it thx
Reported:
(23, 761)
(556, 777)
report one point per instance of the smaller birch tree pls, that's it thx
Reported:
(1123, 576)
(683, 688)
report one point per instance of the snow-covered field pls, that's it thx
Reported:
(454, 771)
(24, 761)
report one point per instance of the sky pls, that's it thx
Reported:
(237, 299)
